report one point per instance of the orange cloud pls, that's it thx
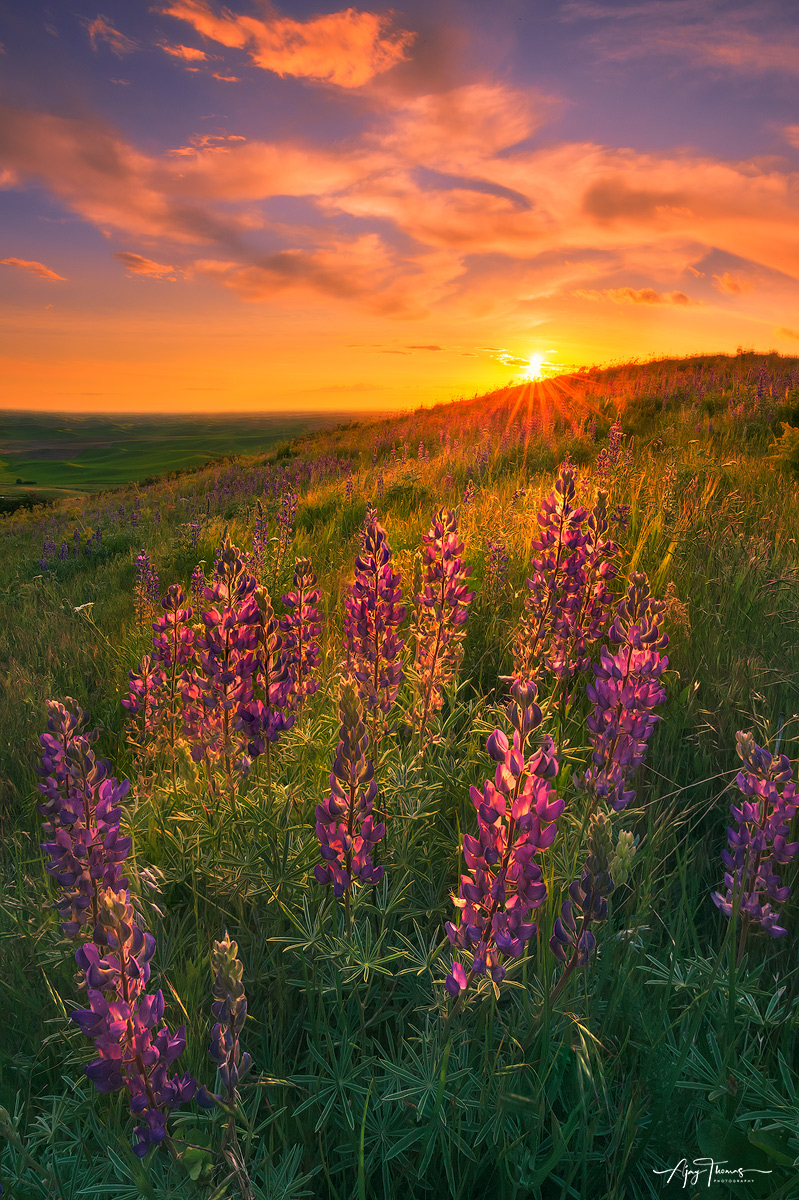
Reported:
(186, 53)
(733, 285)
(629, 295)
(136, 264)
(346, 48)
(225, 78)
(784, 332)
(102, 30)
(791, 133)
(33, 268)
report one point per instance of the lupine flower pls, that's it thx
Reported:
(146, 590)
(214, 697)
(348, 489)
(230, 1010)
(372, 615)
(83, 816)
(344, 823)
(606, 868)
(468, 494)
(516, 817)
(625, 692)
(261, 708)
(758, 843)
(301, 629)
(260, 541)
(197, 583)
(135, 1049)
(442, 607)
(285, 530)
(496, 570)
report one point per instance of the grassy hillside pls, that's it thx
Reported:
(677, 1040)
(54, 454)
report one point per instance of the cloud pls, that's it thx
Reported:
(225, 78)
(629, 295)
(217, 143)
(136, 264)
(424, 347)
(791, 133)
(186, 53)
(33, 268)
(733, 285)
(102, 30)
(345, 48)
(687, 29)
(784, 332)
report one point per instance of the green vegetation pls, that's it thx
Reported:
(663, 1049)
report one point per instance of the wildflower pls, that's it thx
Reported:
(230, 1010)
(516, 817)
(758, 843)
(344, 823)
(373, 613)
(83, 816)
(606, 868)
(197, 583)
(442, 607)
(625, 693)
(468, 495)
(496, 572)
(146, 590)
(135, 1050)
(301, 629)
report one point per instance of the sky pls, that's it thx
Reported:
(305, 206)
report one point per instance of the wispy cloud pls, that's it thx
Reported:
(732, 285)
(137, 264)
(630, 295)
(186, 53)
(102, 30)
(345, 48)
(32, 267)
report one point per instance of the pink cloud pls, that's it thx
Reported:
(32, 267)
(136, 264)
(733, 285)
(345, 48)
(102, 30)
(791, 133)
(629, 295)
(186, 53)
(225, 78)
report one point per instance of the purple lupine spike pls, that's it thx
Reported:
(214, 696)
(83, 816)
(373, 612)
(197, 583)
(625, 693)
(516, 815)
(345, 826)
(607, 866)
(442, 607)
(555, 587)
(261, 711)
(301, 629)
(758, 841)
(286, 517)
(260, 541)
(496, 573)
(143, 701)
(135, 1050)
(146, 589)
(230, 1010)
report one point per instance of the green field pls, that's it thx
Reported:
(50, 454)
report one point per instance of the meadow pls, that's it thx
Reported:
(49, 456)
(527, 651)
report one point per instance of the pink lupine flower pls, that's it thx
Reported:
(301, 629)
(345, 825)
(373, 612)
(516, 815)
(625, 693)
(442, 607)
(759, 842)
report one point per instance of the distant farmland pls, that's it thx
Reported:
(46, 455)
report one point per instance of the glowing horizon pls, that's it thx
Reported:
(243, 209)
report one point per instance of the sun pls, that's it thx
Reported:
(536, 367)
